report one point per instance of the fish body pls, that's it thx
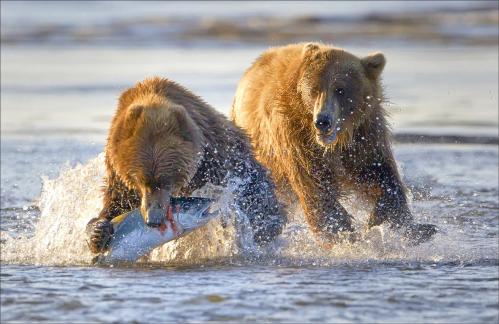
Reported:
(132, 238)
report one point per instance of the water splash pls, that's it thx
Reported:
(68, 202)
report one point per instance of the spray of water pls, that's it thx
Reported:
(68, 202)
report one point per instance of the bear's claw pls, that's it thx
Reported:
(99, 232)
(420, 233)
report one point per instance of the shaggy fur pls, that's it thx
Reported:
(280, 102)
(163, 136)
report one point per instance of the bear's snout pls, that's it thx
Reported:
(323, 123)
(154, 206)
(155, 217)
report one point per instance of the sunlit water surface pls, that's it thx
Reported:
(217, 274)
(56, 106)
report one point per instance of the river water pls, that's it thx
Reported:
(56, 104)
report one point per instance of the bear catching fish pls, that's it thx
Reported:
(164, 141)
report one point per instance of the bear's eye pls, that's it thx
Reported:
(340, 91)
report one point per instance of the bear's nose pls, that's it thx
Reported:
(155, 217)
(323, 123)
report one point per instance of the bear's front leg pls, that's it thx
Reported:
(329, 221)
(99, 233)
(257, 199)
(117, 200)
(391, 201)
(323, 212)
(389, 196)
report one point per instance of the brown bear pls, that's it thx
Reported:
(315, 118)
(165, 141)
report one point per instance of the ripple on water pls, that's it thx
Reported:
(70, 305)
(452, 278)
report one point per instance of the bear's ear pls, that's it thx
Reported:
(178, 112)
(309, 49)
(133, 113)
(373, 64)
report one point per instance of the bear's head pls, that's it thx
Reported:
(339, 90)
(154, 147)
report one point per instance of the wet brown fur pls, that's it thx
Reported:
(162, 135)
(275, 103)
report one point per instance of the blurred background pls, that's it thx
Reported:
(64, 64)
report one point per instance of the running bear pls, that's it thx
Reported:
(165, 141)
(315, 118)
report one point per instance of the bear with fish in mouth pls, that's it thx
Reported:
(164, 141)
(315, 118)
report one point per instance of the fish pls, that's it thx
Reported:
(133, 239)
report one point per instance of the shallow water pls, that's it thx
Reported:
(384, 292)
(450, 90)
(57, 101)
(207, 276)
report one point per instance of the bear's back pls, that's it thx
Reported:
(205, 116)
(267, 80)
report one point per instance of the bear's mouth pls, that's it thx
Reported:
(328, 137)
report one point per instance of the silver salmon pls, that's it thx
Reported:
(132, 238)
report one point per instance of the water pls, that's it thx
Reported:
(349, 293)
(47, 272)
(56, 104)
